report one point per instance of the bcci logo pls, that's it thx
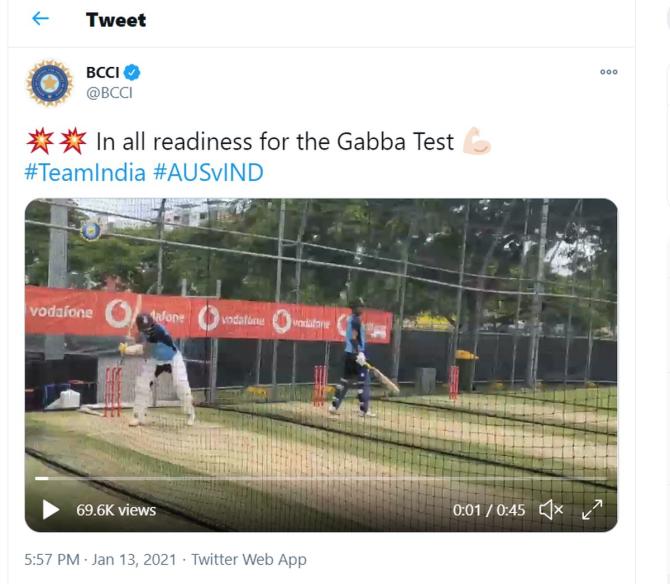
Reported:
(49, 83)
(90, 231)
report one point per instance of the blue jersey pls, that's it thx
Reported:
(351, 344)
(163, 347)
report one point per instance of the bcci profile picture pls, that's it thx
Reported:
(49, 83)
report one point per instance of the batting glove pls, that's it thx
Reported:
(360, 359)
(136, 350)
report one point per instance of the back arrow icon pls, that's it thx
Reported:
(37, 18)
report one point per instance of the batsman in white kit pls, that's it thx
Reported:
(160, 356)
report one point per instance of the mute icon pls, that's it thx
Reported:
(550, 509)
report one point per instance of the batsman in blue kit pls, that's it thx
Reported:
(161, 355)
(355, 373)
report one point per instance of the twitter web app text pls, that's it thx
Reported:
(317, 291)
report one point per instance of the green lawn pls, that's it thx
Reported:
(597, 397)
(404, 441)
(519, 408)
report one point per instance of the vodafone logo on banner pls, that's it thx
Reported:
(56, 311)
(113, 311)
(113, 308)
(376, 326)
(233, 319)
(342, 325)
(378, 332)
(208, 318)
(281, 321)
(173, 312)
(166, 317)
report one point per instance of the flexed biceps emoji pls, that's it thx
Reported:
(472, 146)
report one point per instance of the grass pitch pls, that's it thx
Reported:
(290, 466)
(67, 495)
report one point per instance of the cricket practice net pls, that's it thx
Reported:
(495, 318)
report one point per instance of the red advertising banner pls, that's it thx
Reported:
(229, 319)
(93, 313)
(55, 311)
(116, 310)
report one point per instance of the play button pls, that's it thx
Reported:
(48, 509)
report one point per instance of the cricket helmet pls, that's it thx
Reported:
(357, 303)
(144, 322)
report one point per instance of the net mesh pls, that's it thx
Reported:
(262, 456)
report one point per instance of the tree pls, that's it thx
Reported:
(370, 234)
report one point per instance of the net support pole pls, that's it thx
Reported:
(54, 345)
(397, 332)
(568, 341)
(533, 345)
(213, 359)
(397, 324)
(496, 355)
(459, 292)
(257, 363)
(589, 346)
(517, 312)
(479, 303)
(298, 282)
(184, 285)
(280, 252)
(571, 308)
(161, 226)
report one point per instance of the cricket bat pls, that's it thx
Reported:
(138, 308)
(89, 411)
(385, 381)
